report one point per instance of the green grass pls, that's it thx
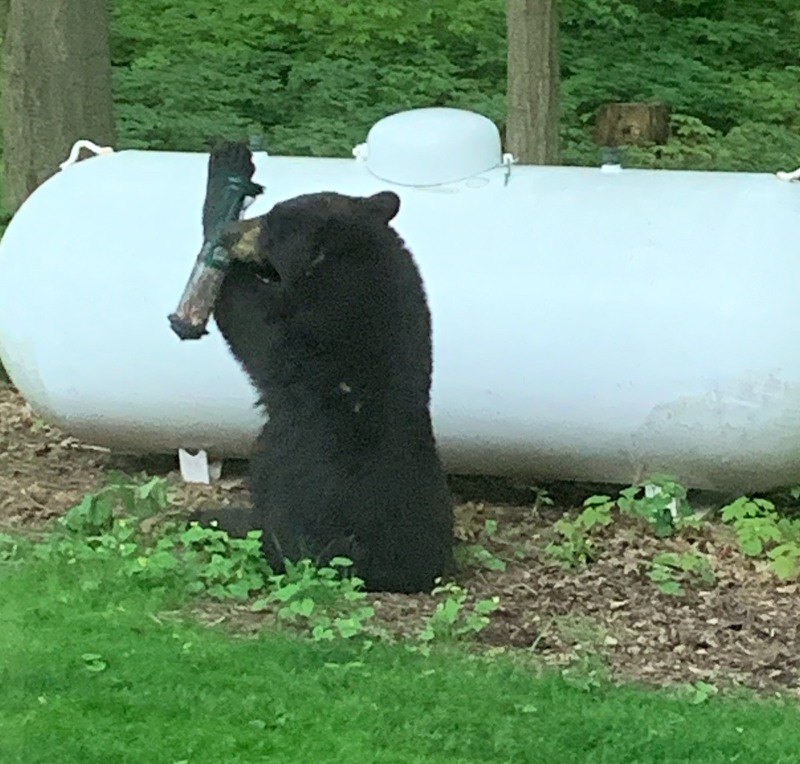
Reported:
(170, 691)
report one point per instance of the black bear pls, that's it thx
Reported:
(328, 316)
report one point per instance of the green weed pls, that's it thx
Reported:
(206, 560)
(324, 602)
(477, 554)
(762, 532)
(575, 546)
(660, 501)
(670, 571)
(453, 620)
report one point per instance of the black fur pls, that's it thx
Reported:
(332, 326)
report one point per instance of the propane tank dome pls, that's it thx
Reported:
(429, 147)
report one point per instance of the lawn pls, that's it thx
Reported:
(95, 669)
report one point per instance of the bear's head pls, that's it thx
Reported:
(297, 234)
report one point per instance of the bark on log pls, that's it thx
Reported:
(632, 124)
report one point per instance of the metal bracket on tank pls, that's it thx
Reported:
(611, 160)
(794, 175)
(84, 144)
(508, 161)
(195, 468)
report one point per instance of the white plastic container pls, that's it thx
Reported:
(587, 325)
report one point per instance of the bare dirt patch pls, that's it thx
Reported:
(743, 631)
(44, 472)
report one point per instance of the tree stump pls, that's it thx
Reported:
(632, 124)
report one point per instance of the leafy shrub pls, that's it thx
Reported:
(755, 521)
(95, 513)
(108, 524)
(761, 531)
(669, 570)
(452, 620)
(322, 600)
(206, 560)
(477, 554)
(661, 501)
(575, 546)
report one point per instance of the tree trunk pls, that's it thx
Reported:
(56, 88)
(3, 16)
(533, 81)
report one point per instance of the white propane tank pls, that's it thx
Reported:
(587, 325)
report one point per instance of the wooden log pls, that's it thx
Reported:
(632, 124)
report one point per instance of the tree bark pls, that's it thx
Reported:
(56, 87)
(3, 16)
(632, 124)
(532, 133)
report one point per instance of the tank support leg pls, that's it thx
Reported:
(196, 468)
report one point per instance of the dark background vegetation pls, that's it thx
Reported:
(312, 77)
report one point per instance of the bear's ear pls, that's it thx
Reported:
(384, 205)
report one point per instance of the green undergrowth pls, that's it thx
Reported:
(659, 507)
(312, 78)
(129, 524)
(95, 667)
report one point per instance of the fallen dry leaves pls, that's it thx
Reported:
(743, 631)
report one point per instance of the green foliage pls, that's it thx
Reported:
(755, 521)
(664, 506)
(596, 513)
(95, 514)
(453, 620)
(326, 603)
(312, 78)
(670, 571)
(322, 601)
(762, 532)
(469, 555)
(11, 549)
(108, 524)
(575, 547)
(660, 501)
(477, 555)
(784, 560)
(543, 499)
(207, 560)
(698, 693)
(587, 673)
